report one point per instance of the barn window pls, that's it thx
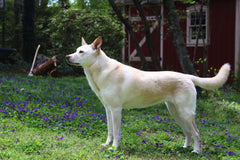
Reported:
(197, 25)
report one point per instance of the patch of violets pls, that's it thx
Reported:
(39, 103)
(62, 106)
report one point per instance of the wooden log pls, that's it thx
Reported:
(46, 67)
(55, 73)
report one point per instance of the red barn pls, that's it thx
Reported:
(220, 34)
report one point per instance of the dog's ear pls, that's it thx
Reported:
(83, 42)
(97, 44)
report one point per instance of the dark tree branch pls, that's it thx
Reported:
(198, 34)
(149, 40)
(131, 32)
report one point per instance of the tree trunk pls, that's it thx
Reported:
(132, 34)
(28, 30)
(17, 11)
(178, 41)
(149, 40)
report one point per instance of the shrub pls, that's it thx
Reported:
(15, 64)
(68, 26)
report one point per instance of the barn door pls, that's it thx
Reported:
(154, 16)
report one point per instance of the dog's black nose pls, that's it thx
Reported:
(67, 57)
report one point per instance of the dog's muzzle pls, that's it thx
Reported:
(69, 62)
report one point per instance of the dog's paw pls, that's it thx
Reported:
(196, 151)
(186, 146)
(104, 144)
(112, 148)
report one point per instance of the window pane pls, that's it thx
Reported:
(194, 33)
(203, 17)
(194, 21)
(193, 18)
(203, 33)
(196, 16)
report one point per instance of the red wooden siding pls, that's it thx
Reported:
(222, 33)
(222, 37)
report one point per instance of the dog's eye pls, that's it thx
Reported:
(80, 51)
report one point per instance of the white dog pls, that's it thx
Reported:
(119, 86)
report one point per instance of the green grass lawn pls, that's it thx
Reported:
(46, 118)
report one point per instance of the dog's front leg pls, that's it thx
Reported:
(116, 117)
(110, 127)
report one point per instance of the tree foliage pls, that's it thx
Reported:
(59, 30)
(66, 28)
(8, 14)
(91, 4)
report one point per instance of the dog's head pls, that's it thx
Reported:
(85, 55)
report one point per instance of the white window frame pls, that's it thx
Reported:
(190, 41)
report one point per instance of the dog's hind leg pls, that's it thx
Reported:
(189, 120)
(185, 101)
(174, 113)
(196, 136)
(110, 127)
(116, 117)
(187, 115)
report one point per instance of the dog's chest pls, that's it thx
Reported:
(97, 85)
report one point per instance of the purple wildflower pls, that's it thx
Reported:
(83, 131)
(229, 153)
(157, 144)
(219, 146)
(137, 133)
(60, 138)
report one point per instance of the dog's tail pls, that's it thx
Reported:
(214, 82)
